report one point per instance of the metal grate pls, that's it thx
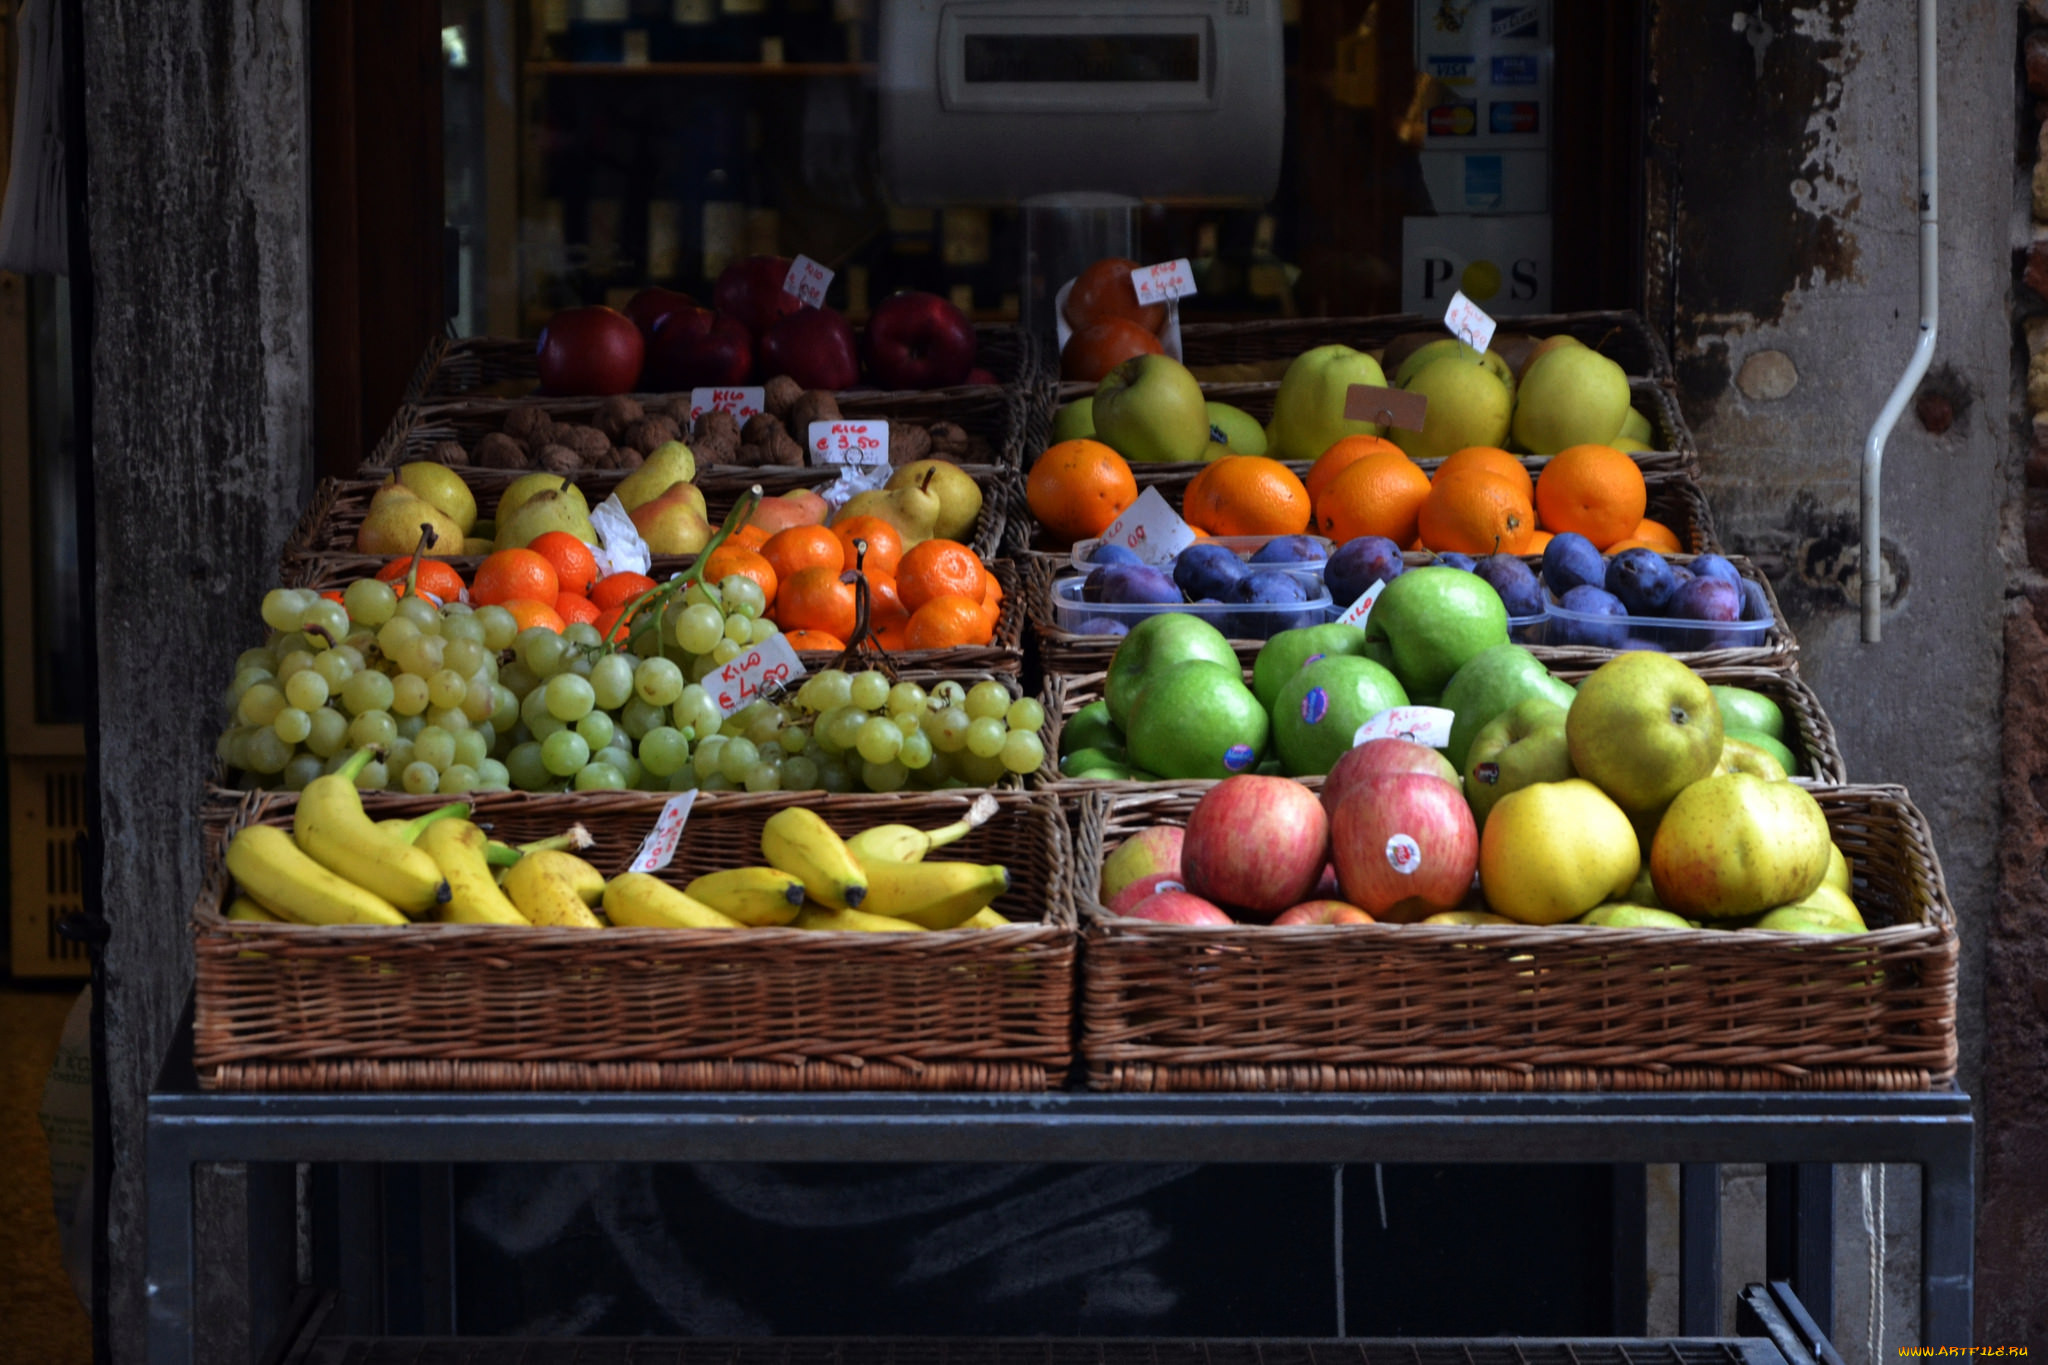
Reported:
(47, 812)
(934, 1351)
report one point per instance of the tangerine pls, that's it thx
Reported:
(1379, 494)
(609, 627)
(574, 607)
(750, 535)
(894, 636)
(618, 589)
(575, 566)
(436, 578)
(519, 575)
(813, 639)
(1658, 534)
(1094, 351)
(1247, 495)
(1476, 512)
(801, 547)
(1340, 457)
(946, 622)
(885, 601)
(1495, 459)
(938, 568)
(729, 559)
(885, 543)
(1077, 488)
(1595, 490)
(528, 613)
(1537, 540)
(815, 599)
(1104, 290)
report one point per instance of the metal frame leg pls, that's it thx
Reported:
(1699, 1249)
(1799, 1234)
(169, 1250)
(1948, 1201)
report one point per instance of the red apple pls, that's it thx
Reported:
(697, 348)
(813, 346)
(978, 375)
(592, 352)
(1143, 887)
(1149, 852)
(1178, 907)
(1406, 846)
(648, 307)
(1324, 912)
(750, 289)
(919, 341)
(1257, 844)
(1326, 888)
(1377, 756)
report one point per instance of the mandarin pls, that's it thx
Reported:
(804, 547)
(618, 589)
(946, 622)
(1476, 512)
(1077, 488)
(815, 599)
(527, 614)
(729, 559)
(1497, 460)
(436, 578)
(1379, 494)
(1247, 495)
(575, 565)
(1340, 457)
(813, 639)
(884, 542)
(1595, 490)
(515, 575)
(938, 568)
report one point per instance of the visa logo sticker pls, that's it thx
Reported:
(1515, 21)
(1519, 116)
(1514, 71)
(1453, 70)
(1453, 120)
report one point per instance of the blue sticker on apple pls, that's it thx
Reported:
(1238, 757)
(1311, 659)
(1314, 706)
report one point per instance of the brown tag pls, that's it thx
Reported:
(1388, 407)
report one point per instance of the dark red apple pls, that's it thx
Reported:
(592, 352)
(648, 307)
(1145, 886)
(919, 341)
(750, 289)
(1178, 907)
(1256, 844)
(978, 375)
(813, 346)
(1406, 846)
(1323, 912)
(1377, 756)
(1326, 888)
(695, 347)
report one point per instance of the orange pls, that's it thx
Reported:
(991, 588)
(1379, 494)
(1476, 512)
(938, 568)
(815, 599)
(885, 603)
(801, 547)
(574, 607)
(334, 596)
(1495, 459)
(895, 635)
(812, 639)
(1097, 349)
(616, 590)
(751, 536)
(529, 613)
(947, 621)
(436, 578)
(1632, 544)
(1077, 488)
(885, 543)
(1597, 491)
(608, 626)
(575, 566)
(1537, 540)
(515, 575)
(1341, 457)
(730, 559)
(1247, 495)
(1658, 534)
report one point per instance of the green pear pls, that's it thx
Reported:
(1150, 410)
(1570, 396)
(1837, 874)
(671, 463)
(1831, 902)
(526, 485)
(1643, 728)
(1793, 919)
(1734, 845)
(1235, 429)
(1490, 684)
(1518, 748)
(1469, 405)
(958, 494)
(1782, 755)
(1738, 756)
(1445, 348)
(392, 524)
(1396, 352)
(1543, 348)
(1643, 890)
(444, 488)
(912, 509)
(1074, 421)
(1622, 915)
(1554, 850)
(674, 522)
(547, 510)
(1308, 410)
(1636, 427)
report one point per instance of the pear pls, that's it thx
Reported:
(392, 525)
(443, 487)
(671, 463)
(1541, 348)
(1569, 396)
(526, 485)
(958, 494)
(547, 510)
(1636, 427)
(798, 507)
(673, 523)
(912, 509)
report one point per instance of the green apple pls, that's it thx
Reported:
(1150, 409)
(1833, 903)
(1739, 756)
(1089, 760)
(1198, 719)
(1838, 869)
(1444, 348)
(1643, 728)
(1091, 728)
(1074, 421)
(1531, 354)
(1552, 851)
(1320, 707)
(1469, 405)
(1636, 427)
(1155, 644)
(1795, 919)
(1235, 429)
(1622, 915)
(1642, 891)
(1283, 654)
(1492, 682)
(1780, 755)
(1520, 747)
(1308, 411)
(1569, 396)
(1742, 709)
(1436, 620)
(1733, 845)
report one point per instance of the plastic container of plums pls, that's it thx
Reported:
(1303, 554)
(1238, 620)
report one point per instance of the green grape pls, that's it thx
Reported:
(408, 694)
(368, 690)
(460, 626)
(543, 651)
(738, 629)
(373, 776)
(256, 658)
(327, 616)
(940, 770)
(695, 710)
(569, 698)
(737, 756)
(764, 630)
(829, 690)
(663, 750)
(465, 657)
(446, 688)
(420, 778)
(742, 595)
(701, 592)
(282, 607)
(841, 730)
(534, 706)
(292, 724)
(611, 681)
(685, 780)
(329, 732)
(658, 681)
(717, 782)
(762, 778)
(301, 769)
(492, 775)
(799, 774)
(978, 771)
(420, 612)
(705, 760)
(834, 778)
(434, 745)
(410, 726)
(395, 635)
(293, 664)
(398, 753)
(1022, 752)
(949, 693)
(870, 690)
(987, 699)
(765, 728)
(597, 729)
(583, 635)
(916, 753)
(879, 740)
(627, 766)
(564, 752)
(351, 653)
(910, 723)
(422, 656)
(228, 743)
(244, 680)
(471, 748)
(451, 611)
(1025, 715)
(260, 705)
(639, 717)
(479, 698)
(546, 727)
(884, 777)
(699, 667)
(525, 769)
(599, 777)
(505, 704)
(906, 698)
(518, 678)
(458, 779)
(449, 718)
(792, 739)
(334, 667)
(500, 627)
(947, 729)
(724, 652)
(985, 736)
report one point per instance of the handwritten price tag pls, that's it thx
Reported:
(1468, 322)
(1357, 612)
(741, 403)
(807, 280)
(1430, 725)
(856, 443)
(660, 844)
(1388, 407)
(1167, 280)
(754, 670)
(1150, 529)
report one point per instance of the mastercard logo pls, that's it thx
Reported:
(1453, 120)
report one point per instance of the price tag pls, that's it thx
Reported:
(1388, 407)
(1167, 280)
(1150, 529)
(807, 280)
(1468, 322)
(741, 403)
(856, 443)
(1430, 725)
(660, 844)
(754, 670)
(1357, 612)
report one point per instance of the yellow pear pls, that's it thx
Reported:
(674, 523)
(526, 485)
(671, 463)
(958, 494)
(392, 525)
(443, 487)
(547, 510)
(913, 510)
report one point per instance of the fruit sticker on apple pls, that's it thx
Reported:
(1150, 529)
(1163, 282)
(1430, 725)
(850, 443)
(659, 847)
(1360, 611)
(742, 403)
(771, 664)
(1465, 318)
(808, 281)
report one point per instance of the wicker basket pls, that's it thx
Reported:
(470, 1007)
(1812, 737)
(1438, 1008)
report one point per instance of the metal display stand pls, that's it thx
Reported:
(1799, 1134)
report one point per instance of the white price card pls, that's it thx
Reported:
(1357, 613)
(855, 443)
(660, 844)
(742, 403)
(807, 280)
(753, 671)
(1167, 280)
(1150, 529)
(1430, 725)
(1468, 322)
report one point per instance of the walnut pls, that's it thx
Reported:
(563, 460)
(978, 451)
(716, 425)
(782, 449)
(522, 422)
(499, 451)
(949, 440)
(676, 409)
(781, 394)
(592, 444)
(649, 434)
(615, 414)
(816, 405)
(626, 458)
(448, 453)
(716, 448)
(761, 429)
(908, 443)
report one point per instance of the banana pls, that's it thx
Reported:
(984, 919)
(457, 848)
(634, 900)
(250, 912)
(751, 895)
(287, 883)
(909, 844)
(555, 890)
(799, 842)
(935, 895)
(409, 831)
(331, 829)
(816, 916)
(573, 840)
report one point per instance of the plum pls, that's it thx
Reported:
(1091, 586)
(1101, 625)
(1642, 580)
(1273, 586)
(1570, 560)
(1713, 566)
(1288, 550)
(1208, 570)
(1706, 599)
(1106, 553)
(1451, 559)
(1755, 605)
(1138, 583)
(1358, 564)
(1519, 588)
(1589, 603)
